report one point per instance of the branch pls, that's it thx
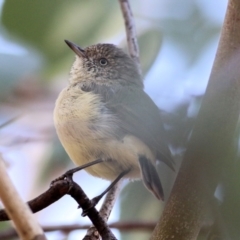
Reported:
(121, 226)
(58, 190)
(77, 193)
(105, 211)
(130, 32)
(212, 137)
(10, 121)
(110, 200)
(26, 225)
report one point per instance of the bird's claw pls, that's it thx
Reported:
(94, 202)
(66, 176)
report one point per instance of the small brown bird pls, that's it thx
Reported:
(106, 122)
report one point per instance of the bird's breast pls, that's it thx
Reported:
(89, 131)
(82, 119)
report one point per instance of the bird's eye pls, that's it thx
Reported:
(103, 61)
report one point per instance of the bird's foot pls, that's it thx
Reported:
(94, 202)
(66, 176)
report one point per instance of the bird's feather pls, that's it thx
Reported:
(150, 177)
(138, 115)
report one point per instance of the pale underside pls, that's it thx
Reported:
(87, 132)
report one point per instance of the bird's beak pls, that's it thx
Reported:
(79, 51)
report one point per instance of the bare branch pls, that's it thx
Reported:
(130, 32)
(58, 190)
(207, 155)
(122, 226)
(24, 221)
(53, 194)
(10, 121)
(110, 200)
(77, 193)
(105, 211)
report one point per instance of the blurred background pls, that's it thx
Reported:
(178, 41)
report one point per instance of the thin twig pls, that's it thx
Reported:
(130, 32)
(10, 121)
(105, 211)
(122, 226)
(110, 200)
(26, 225)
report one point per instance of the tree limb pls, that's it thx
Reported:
(212, 137)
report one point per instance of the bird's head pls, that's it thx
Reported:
(103, 64)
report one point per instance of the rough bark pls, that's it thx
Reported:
(212, 137)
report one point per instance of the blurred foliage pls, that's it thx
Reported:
(192, 33)
(45, 24)
(149, 44)
(12, 69)
(137, 203)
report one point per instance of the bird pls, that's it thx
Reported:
(106, 122)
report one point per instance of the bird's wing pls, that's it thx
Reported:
(139, 116)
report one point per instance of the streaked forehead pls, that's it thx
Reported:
(104, 50)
